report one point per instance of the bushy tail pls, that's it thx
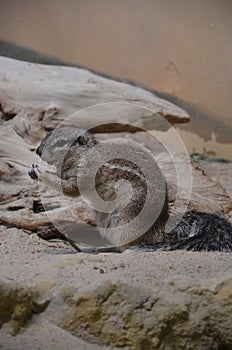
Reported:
(196, 232)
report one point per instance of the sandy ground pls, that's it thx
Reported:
(30, 261)
(45, 335)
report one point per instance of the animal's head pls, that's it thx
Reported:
(64, 142)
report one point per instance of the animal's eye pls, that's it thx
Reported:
(60, 143)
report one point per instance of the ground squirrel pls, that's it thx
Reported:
(67, 150)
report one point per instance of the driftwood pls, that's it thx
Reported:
(57, 92)
(27, 91)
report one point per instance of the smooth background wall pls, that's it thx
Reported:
(180, 47)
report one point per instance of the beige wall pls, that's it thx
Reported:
(182, 47)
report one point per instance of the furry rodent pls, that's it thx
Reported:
(67, 149)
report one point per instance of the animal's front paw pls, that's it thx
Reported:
(34, 172)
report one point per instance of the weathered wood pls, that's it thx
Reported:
(27, 91)
(58, 92)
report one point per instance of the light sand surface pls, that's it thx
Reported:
(31, 262)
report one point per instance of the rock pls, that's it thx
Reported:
(17, 306)
(121, 315)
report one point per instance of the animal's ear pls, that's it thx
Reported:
(81, 140)
(41, 146)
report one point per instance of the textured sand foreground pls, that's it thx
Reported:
(184, 292)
